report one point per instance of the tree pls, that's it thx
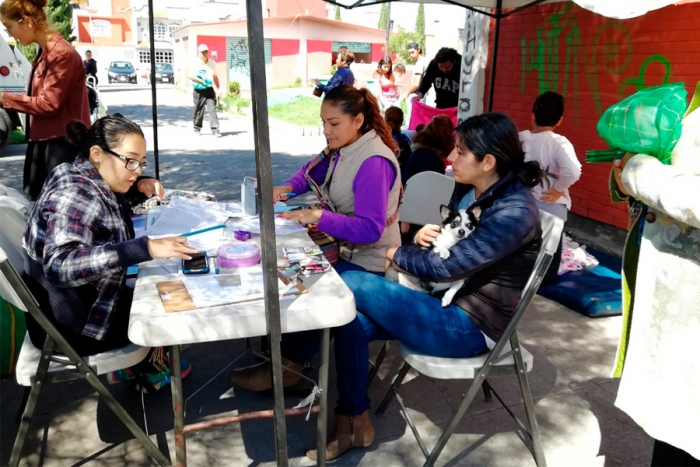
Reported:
(383, 16)
(337, 13)
(420, 27)
(60, 13)
(398, 43)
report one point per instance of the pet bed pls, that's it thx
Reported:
(593, 292)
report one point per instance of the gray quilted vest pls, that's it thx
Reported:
(341, 199)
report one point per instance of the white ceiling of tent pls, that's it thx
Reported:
(611, 8)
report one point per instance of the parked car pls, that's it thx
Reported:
(15, 70)
(165, 73)
(121, 72)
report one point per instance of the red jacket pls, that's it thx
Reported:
(58, 95)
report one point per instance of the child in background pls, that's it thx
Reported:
(394, 117)
(387, 95)
(557, 157)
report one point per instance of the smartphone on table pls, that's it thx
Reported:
(199, 264)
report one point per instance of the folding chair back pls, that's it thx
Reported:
(424, 194)
(14, 290)
(501, 360)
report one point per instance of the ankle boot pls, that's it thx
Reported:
(258, 377)
(349, 432)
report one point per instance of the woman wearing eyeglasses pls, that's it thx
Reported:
(80, 241)
(57, 93)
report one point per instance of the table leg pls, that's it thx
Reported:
(323, 384)
(178, 406)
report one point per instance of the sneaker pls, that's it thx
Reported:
(158, 380)
(217, 134)
(197, 132)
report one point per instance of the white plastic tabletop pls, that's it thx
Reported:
(328, 303)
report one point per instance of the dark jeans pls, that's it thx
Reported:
(387, 311)
(116, 336)
(302, 346)
(42, 157)
(205, 100)
(666, 455)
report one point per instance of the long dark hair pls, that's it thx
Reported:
(496, 134)
(437, 135)
(106, 133)
(352, 102)
(390, 73)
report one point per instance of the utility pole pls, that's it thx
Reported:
(388, 29)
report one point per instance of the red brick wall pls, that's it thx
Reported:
(594, 62)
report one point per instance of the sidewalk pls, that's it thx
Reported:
(574, 399)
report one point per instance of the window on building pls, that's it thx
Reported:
(101, 28)
(173, 26)
(162, 56)
(160, 31)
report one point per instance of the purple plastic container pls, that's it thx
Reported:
(238, 255)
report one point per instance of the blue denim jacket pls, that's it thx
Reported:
(497, 257)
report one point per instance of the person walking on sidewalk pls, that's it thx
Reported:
(204, 78)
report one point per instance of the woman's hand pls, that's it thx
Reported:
(305, 216)
(279, 193)
(618, 167)
(171, 247)
(316, 82)
(150, 187)
(427, 235)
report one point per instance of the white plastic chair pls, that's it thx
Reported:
(507, 357)
(424, 194)
(36, 367)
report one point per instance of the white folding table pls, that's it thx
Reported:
(328, 303)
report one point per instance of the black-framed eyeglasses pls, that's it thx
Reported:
(7, 30)
(130, 164)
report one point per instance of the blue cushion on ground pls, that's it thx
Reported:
(595, 292)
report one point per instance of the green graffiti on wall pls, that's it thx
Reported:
(610, 51)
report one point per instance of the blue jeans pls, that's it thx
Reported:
(385, 311)
(300, 347)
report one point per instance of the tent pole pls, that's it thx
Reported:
(152, 76)
(263, 163)
(494, 52)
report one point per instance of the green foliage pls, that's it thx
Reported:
(304, 111)
(420, 28)
(29, 51)
(334, 68)
(60, 15)
(398, 43)
(337, 13)
(234, 88)
(383, 16)
(297, 82)
(232, 104)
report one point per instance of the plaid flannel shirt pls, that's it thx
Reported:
(77, 233)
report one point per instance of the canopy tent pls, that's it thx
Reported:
(254, 10)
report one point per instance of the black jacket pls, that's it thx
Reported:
(446, 85)
(497, 258)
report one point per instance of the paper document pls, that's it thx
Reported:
(219, 289)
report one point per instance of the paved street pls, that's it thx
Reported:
(573, 356)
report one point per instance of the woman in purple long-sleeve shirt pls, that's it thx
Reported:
(361, 181)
